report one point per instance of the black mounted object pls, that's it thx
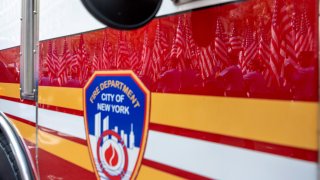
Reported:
(123, 14)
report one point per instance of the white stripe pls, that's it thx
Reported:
(224, 162)
(62, 122)
(24, 111)
(205, 158)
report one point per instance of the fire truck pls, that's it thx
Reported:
(159, 89)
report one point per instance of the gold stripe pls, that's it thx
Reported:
(151, 173)
(75, 153)
(26, 131)
(55, 96)
(63, 97)
(10, 90)
(274, 121)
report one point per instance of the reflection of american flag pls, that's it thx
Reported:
(84, 64)
(61, 71)
(284, 39)
(163, 39)
(275, 60)
(68, 57)
(191, 49)
(309, 31)
(107, 60)
(220, 46)
(67, 61)
(304, 35)
(179, 45)
(295, 20)
(264, 50)
(263, 46)
(96, 65)
(249, 48)
(157, 54)
(123, 53)
(206, 61)
(135, 61)
(145, 56)
(287, 34)
(235, 40)
(52, 61)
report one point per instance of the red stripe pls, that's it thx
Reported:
(61, 109)
(45, 106)
(54, 167)
(50, 131)
(21, 120)
(18, 100)
(292, 152)
(173, 170)
(65, 136)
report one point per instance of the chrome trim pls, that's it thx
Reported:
(18, 150)
(204, 4)
(37, 138)
(318, 113)
(29, 50)
(179, 2)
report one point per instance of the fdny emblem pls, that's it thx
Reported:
(116, 111)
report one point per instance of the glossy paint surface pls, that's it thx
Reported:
(234, 92)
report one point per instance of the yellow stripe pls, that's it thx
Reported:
(63, 97)
(280, 122)
(55, 96)
(151, 173)
(10, 90)
(75, 153)
(26, 131)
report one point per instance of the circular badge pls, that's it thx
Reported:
(112, 155)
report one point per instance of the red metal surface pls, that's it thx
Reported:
(53, 167)
(254, 49)
(251, 49)
(173, 170)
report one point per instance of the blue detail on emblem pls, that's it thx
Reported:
(114, 108)
(116, 116)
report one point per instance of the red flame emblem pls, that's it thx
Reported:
(111, 156)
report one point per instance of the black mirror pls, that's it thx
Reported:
(123, 14)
